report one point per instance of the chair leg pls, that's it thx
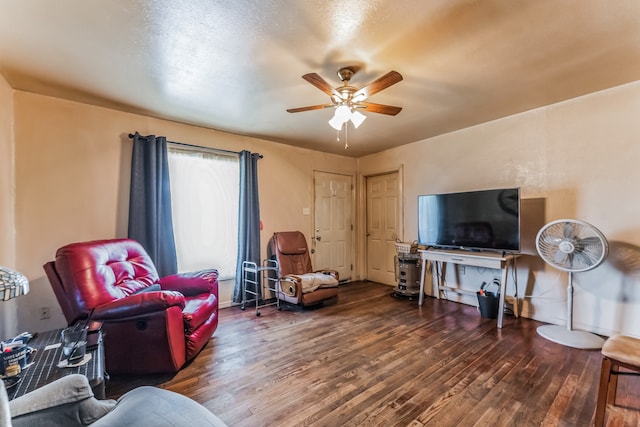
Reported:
(604, 391)
(613, 382)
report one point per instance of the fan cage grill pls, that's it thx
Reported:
(571, 245)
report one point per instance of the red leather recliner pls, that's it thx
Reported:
(150, 324)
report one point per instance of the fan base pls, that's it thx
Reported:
(571, 338)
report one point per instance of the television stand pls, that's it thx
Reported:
(493, 260)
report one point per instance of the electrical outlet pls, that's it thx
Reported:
(44, 313)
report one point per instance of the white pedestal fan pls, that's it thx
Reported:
(572, 246)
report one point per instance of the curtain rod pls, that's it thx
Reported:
(198, 147)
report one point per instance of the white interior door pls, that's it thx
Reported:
(383, 224)
(332, 241)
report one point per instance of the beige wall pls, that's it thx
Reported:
(581, 157)
(72, 174)
(71, 178)
(8, 322)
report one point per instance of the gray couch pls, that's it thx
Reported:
(69, 401)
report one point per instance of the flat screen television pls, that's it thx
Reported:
(473, 220)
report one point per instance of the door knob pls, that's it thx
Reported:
(318, 238)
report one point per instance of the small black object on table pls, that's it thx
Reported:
(44, 364)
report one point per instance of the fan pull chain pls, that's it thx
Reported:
(346, 136)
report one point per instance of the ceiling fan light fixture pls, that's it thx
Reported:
(336, 123)
(358, 98)
(357, 118)
(341, 116)
(343, 113)
(347, 98)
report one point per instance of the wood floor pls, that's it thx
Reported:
(374, 360)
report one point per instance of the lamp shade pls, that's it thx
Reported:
(336, 123)
(341, 116)
(343, 113)
(12, 284)
(357, 118)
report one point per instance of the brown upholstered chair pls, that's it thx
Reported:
(619, 351)
(299, 283)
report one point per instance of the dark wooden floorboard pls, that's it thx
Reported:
(371, 359)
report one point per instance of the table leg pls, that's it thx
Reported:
(516, 300)
(503, 290)
(422, 274)
(436, 278)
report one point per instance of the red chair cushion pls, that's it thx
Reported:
(101, 271)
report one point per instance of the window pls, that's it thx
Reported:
(204, 203)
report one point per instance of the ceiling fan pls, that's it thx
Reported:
(348, 99)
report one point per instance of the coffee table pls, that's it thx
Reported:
(44, 369)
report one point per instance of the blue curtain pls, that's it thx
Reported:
(150, 221)
(248, 218)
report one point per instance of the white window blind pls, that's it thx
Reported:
(204, 204)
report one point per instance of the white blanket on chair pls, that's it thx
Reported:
(312, 281)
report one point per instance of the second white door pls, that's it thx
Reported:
(383, 225)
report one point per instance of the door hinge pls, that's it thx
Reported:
(351, 227)
(351, 268)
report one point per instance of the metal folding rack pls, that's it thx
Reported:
(256, 279)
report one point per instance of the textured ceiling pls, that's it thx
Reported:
(236, 65)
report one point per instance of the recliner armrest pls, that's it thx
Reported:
(193, 283)
(290, 286)
(67, 401)
(138, 304)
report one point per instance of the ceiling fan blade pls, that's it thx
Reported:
(320, 83)
(309, 108)
(380, 108)
(391, 78)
